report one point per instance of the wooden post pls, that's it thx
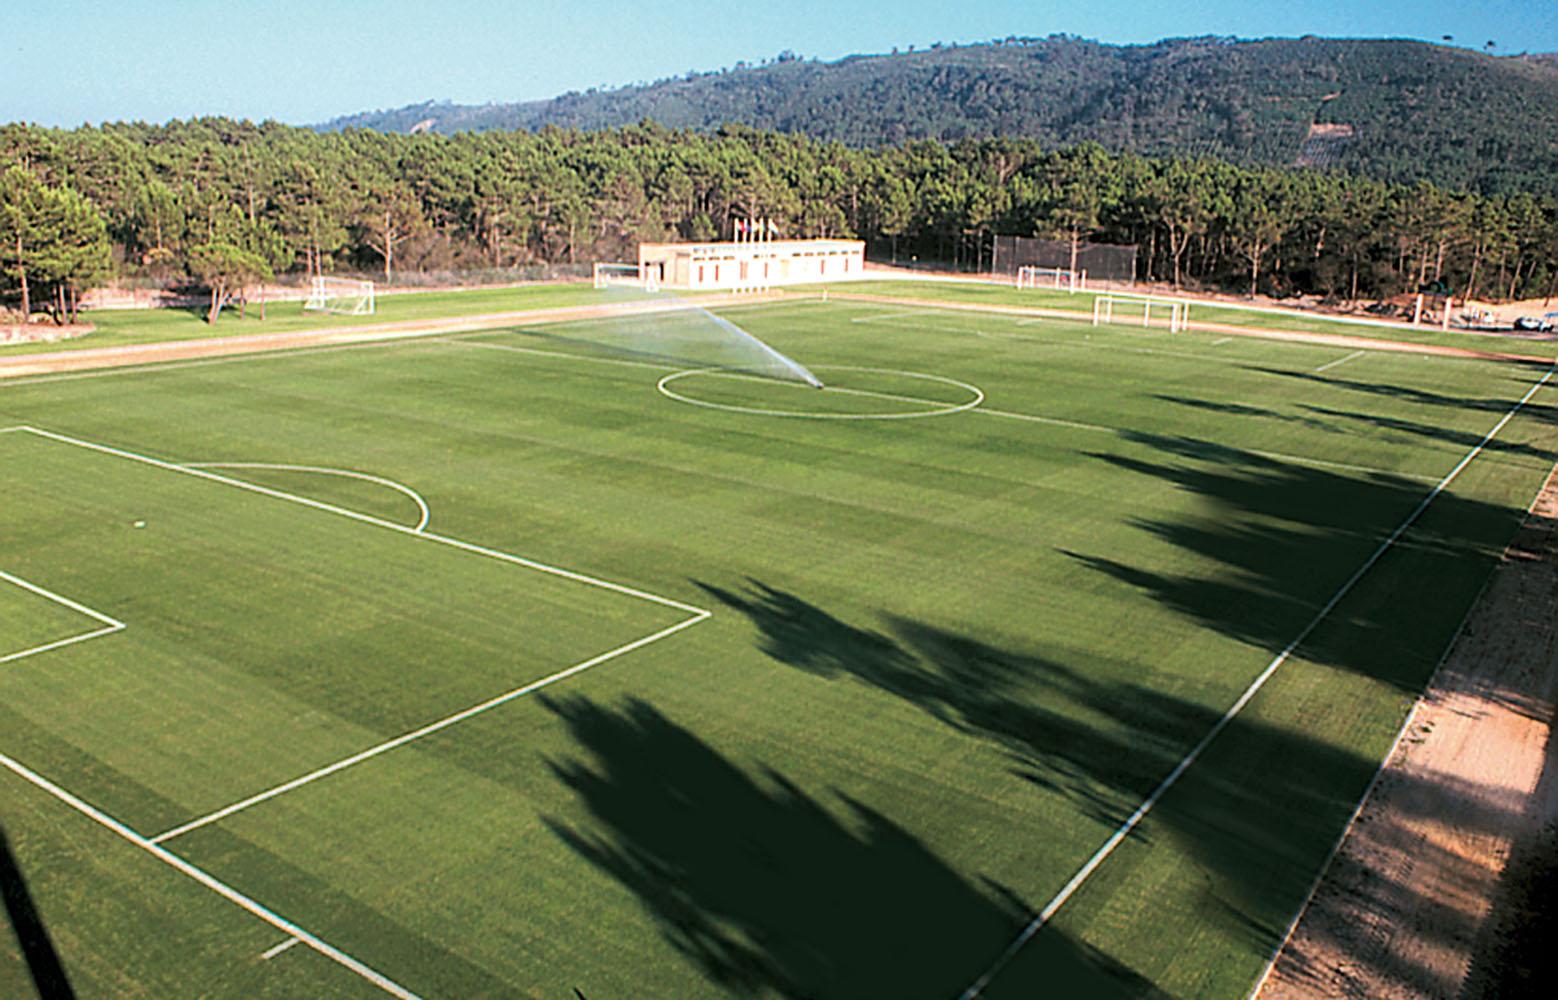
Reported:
(1417, 309)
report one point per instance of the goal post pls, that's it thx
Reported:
(346, 296)
(1178, 310)
(607, 275)
(1030, 276)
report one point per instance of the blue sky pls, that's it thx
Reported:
(64, 62)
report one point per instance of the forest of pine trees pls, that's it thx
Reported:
(193, 201)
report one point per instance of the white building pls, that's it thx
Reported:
(757, 264)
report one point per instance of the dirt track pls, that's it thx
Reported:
(182, 350)
(1404, 909)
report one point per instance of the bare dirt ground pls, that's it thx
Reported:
(1422, 899)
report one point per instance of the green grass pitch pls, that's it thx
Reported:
(701, 685)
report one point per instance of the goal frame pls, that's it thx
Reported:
(1178, 309)
(1034, 276)
(605, 274)
(345, 296)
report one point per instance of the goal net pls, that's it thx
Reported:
(609, 275)
(1030, 276)
(1177, 311)
(347, 296)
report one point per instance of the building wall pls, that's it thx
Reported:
(752, 265)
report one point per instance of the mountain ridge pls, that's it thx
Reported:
(1419, 111)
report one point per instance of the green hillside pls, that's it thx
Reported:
(1418, 111)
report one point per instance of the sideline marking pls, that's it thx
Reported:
(426, 730)
(9, 430)
(1427, 696)
(1220, 341)
(271, 953)
(894, 315)
(206, 879)
(1340, 361)
(1125, 829)
(402, 488)
(110, 624)
(380, 522)
(153, 367)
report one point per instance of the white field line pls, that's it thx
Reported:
(456, 543)
(1341, 838)
(1221, 341)
(110, 624)
(1055, 421)
(61, 643)
(1125, 829)
(427, 730)
(229, 359)
(209, 881)
(885, 317)
(1427, 694)
(9, 430)
(61, 599)
(1340, 361)
(270, 953)
(401, 488)
(1279, 456)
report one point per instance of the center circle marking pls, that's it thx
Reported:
(937, 410)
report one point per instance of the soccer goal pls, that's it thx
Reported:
(347, 296)
(607, 275)
(1051, 277)
(1178, 310)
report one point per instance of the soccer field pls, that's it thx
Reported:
(537, 661)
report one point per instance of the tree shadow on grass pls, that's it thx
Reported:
(1245, 410)
(1259, 810)
(1252, 819)
(1278, 540)
(1435, 432)
(1422, 397)
(770, 889)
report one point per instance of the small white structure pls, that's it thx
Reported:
(1052, 277)
(750, 265)
(340, 295)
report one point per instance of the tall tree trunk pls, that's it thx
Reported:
(21, 270)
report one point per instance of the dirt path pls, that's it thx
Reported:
(1328, 339)
(182, 350)
(1403, 910)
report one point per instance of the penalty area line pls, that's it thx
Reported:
(1126, 828)
(270, 953)
(379, 522)
(61, 643)
(427, 730)
(1340, 361)
(401, 488)
(208, 880)
(110, 624)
